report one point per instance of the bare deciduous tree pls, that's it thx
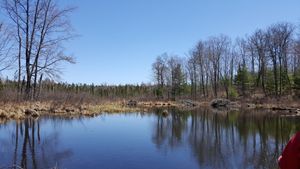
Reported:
(40, 25)
(216, 49)
(279, 39)
(5, 48)
(159, 68)
(258, 48)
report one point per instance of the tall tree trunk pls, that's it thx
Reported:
(19, 49)
(27, 54)
(40, 86)
(275, 75)
(280, 75)
(35, 81)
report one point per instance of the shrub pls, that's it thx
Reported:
(233, 92)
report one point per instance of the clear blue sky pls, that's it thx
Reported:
(121, 38)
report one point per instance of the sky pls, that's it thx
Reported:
(119, 39)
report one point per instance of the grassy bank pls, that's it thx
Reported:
(21, 110)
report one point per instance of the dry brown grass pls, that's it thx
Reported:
(78, 106)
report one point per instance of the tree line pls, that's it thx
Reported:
(267, 63)
(50, 90)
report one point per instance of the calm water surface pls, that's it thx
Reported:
(182, 140)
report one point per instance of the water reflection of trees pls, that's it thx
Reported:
(169, 130)
(248, 139)
(29, 147)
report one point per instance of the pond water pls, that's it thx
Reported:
(182, 140)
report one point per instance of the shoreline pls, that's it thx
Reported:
(22, 110)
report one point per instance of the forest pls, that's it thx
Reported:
(264, 64)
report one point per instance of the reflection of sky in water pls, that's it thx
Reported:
(199, 139)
